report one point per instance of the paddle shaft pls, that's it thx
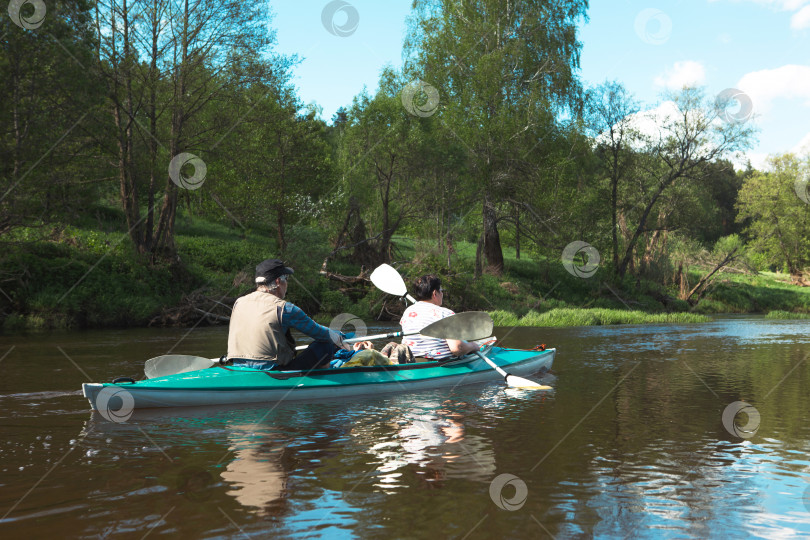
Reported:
(492, 364)
(365, 338)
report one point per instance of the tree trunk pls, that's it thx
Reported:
(151, 112)
(492, 241)
(614, 215)
(517, 233)
(479, 249)
(628, 255)
(282, 240)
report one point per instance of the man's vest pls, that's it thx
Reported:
(255, 331)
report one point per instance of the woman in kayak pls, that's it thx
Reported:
(259, 333)
(428, 309)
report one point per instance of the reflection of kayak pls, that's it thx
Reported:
(227, 384)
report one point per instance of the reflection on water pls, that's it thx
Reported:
(256, 474)
(430, 437)
(630, 443)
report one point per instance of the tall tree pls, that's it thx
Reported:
(47, 99)
(275, 165)
(690, 137)
(610, 110)
(382, 154)
(778, 204)
(196, 51)
(499, 67)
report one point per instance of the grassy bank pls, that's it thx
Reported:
(592, 317)
(86, 275)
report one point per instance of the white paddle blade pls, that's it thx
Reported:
(467, 326)
(519, 382)
(388, 280)
(172, 364)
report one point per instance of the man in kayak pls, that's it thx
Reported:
(259, 333)
(428, 309)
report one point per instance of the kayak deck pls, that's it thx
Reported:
(230, 384)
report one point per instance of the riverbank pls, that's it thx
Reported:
(86, 275)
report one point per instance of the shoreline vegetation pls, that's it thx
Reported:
(86, 275)
(170, 176)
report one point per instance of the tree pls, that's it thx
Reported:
(691, 137)
(611, 110)
(780, 217)
(384, 152)
(275, 164)
(46, 161)
(197, 52)
(503, 70)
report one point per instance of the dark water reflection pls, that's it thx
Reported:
(630, 443)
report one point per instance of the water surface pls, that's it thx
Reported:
(630, 443)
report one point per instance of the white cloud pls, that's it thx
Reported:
(687, 73)
(725, 38)
(651, 124)
(767, 85)
(781, 5)
(758, 160)
(802, 147)
(801, 20)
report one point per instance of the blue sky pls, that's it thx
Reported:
(761, 47)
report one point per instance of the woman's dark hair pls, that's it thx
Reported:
(424, 286)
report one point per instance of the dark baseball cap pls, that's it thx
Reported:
(269, 269)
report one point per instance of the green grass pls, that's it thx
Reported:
(592, 317)
(779, 314)
(86, 274)
(741, 293)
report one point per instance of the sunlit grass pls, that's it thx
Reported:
(592, 317)
(780, 314)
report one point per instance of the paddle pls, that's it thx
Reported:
(467, 326)
(447, 328)
(388, 280)
(172, 364)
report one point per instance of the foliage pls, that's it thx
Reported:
(48, 108)
(504, 72)
(485, 149)
(779, 219)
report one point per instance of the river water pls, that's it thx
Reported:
(630, 443)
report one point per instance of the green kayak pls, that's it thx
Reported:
(222, 385)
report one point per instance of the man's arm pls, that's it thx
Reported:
(293, 316)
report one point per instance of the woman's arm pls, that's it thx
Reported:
(460, 348)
